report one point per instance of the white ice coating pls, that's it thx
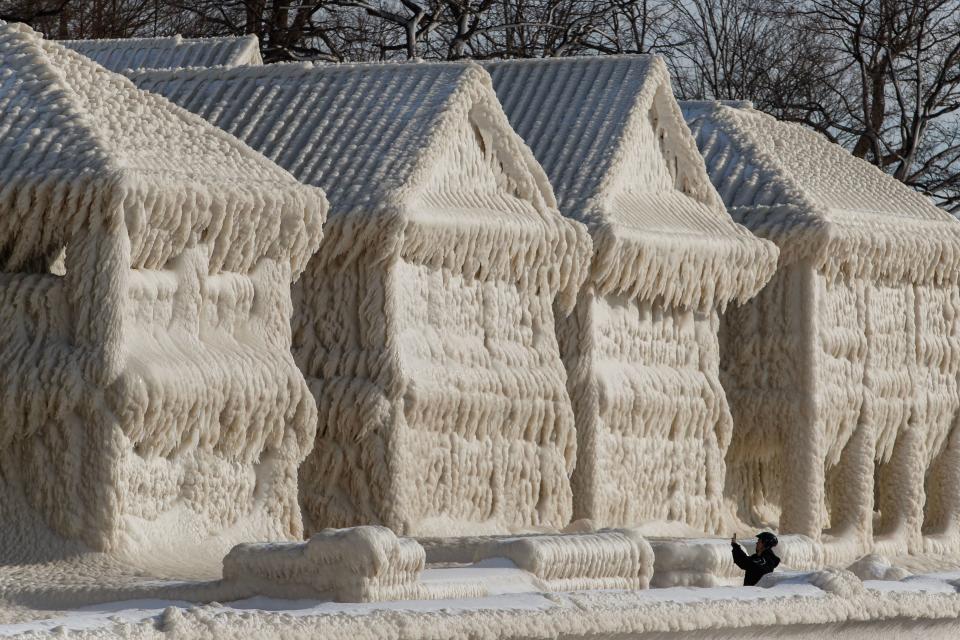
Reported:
(151, 409)
(169, 53)
(842, 373)
(425, 323)
(641, 348)
(361, 564)
(604, 559)
(149, 399)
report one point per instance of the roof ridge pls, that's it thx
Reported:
(724, 114)
(574, 60)
(177, 37)
(277, 69)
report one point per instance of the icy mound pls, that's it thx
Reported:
(606, 559)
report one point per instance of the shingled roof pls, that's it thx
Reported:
(82, 143)
(613, 142)
(169, 53)
(817, 202)
(380, 139)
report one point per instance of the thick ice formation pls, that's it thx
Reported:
(169, 53)
(842, 373)
(811, 605)
(361, 564)
(425, 323)
(707, 562)
(150, 402)
(605, 559)
(641, 349)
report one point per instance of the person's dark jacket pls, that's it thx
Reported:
(756, 566)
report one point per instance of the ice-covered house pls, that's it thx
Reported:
(842, 373)
(425, 323)
(169, 53)
(150, 402)
(641, 350)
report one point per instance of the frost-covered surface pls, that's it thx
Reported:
(360, 564)
(605, 559)
(788, 605)
(149, 399)
(426, 322)
(708, 562)
(842, 373)
(169, 53)
(641, 349)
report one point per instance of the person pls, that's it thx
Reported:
(761, 563)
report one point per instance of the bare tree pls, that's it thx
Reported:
(30, 11)
(894, 89)
(742, 50)
(287, 29)
(412, 22)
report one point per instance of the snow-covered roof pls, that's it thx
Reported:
(169, 53)
(83, 147)
(817, 202)
(611, 137)
(403, 151)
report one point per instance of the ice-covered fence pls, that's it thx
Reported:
(842, 373)
(641, 349)
(425, 323)
(150, 402)
(169, 53)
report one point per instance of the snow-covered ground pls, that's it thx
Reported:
(926, 603)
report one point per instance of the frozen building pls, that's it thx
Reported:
(842, 373)
(150, 403)
(169, 53)
(425, 323)
(641, 350)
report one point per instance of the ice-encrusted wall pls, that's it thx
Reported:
(482, 366)
(641, 350)
(425, 323)
(857, 338)
(465, 424)
(874, 426)
(661, 417)
(794, 378)
(150, 401)
(482, 431)
(938, 406)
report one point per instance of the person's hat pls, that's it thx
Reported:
(768, 539)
